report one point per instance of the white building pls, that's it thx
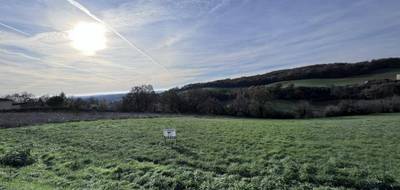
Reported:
(398, 77)
(6, 104)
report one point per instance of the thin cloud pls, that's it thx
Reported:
(15, 29)
(20, 54)
(94, 17)
(188, 32)
(197, 40)
(219, 6)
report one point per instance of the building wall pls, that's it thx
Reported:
(398, 77)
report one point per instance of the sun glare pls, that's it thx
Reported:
(88, 38)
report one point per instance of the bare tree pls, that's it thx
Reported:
(140, 99)
(22, 97)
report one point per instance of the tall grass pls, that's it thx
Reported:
(360, 152)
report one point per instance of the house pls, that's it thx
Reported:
(7, 104)
(398, 77)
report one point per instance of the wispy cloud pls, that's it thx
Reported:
(197, 40)
(15, 29)
(187, 31)
(19, 54)
(86, 11)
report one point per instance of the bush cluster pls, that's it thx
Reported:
(17, 157)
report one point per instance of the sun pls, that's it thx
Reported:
(88, 38)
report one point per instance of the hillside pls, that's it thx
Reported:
(314, 75)
(389, 73)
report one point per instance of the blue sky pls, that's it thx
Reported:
(189, 40)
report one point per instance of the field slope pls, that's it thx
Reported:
(360, 152)
(359, 79)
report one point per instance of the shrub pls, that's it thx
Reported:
(17, 157)
(332, 111)
(304, 110)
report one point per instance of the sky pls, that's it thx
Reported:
(170, 43)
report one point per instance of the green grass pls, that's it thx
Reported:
(211, 153)
(378, 75)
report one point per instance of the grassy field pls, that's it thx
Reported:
(359, 152)
(26, 118)
(378, 75)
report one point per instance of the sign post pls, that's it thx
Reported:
(169, 134)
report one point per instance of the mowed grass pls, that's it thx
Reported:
(378, 75)
(359, 152)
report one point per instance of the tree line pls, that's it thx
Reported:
(28, 102)
(270, 102)
(274, 101)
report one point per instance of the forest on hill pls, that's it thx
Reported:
(250, 97)
(320, 71)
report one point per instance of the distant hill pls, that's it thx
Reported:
(105, 97)
(314, 75)
(108, 97)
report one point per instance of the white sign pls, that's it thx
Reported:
(169, 133)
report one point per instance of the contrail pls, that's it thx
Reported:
(87, 12)
(15, 29)
(20, 54)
